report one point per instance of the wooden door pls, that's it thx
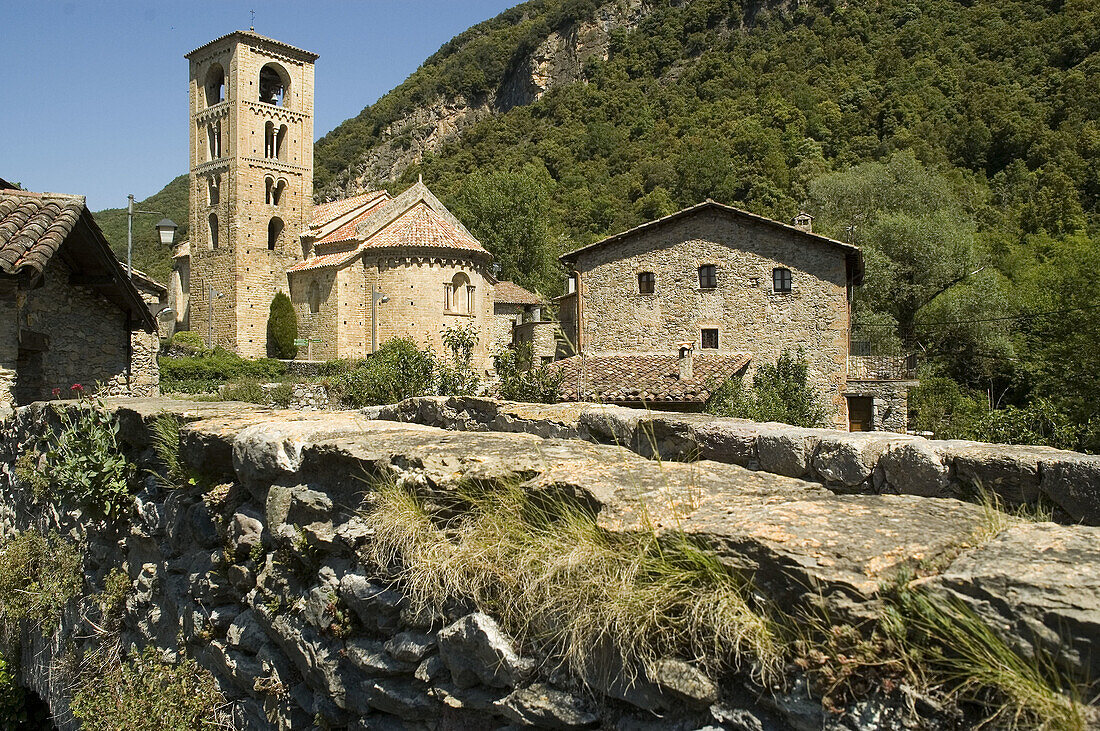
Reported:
(860, 413)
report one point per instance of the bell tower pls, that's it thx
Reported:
(251, 182)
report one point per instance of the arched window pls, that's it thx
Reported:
(314, 297)
(274, 85)
(458, 294)
(269, 189)
(274, 231)
(277, 192)
(213, 189)
(215, 84)
(213, 220)
(280, 143)
(214, 139)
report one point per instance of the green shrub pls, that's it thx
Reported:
(336, 366)
(399, 370)
(38, 576)
(247, 390)
(207, 372)
(941, 406)
(282, 328)
(1039, 422)
(520, 381)
(144, 692)
(29, 472)
(456, 376)
(281, 394)
(780, 391)
(85, 464)
(188, 341)
(19, 710)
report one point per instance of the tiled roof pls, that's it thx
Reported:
(422, 227)
(251, 35)
(510, 293)
(324, 260)
(645, 377)
(326, 212)
(348, 231)
(33, 226)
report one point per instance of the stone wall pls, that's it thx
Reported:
(543, 339)
(262, 575)
(749, 316)
(889, 402)
(845, 462)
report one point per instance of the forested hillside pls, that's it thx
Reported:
(957, 142)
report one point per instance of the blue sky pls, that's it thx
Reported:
(95, 93)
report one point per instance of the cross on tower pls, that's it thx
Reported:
(252, 22)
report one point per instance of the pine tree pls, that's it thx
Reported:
(282, 328)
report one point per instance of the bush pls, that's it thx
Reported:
(248, 390)
(146, 693)
(38, 575)
(457, 377)
(187, 341)
(944, 408)
(282, 328)
(85, 464)
(779, 392)
(281, 395)
(19, 711)
(399, 370)
(207, 372)
(1039, 422)
(519, 381)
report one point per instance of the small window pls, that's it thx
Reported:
(454, 297)
(212, 190)
(709, 338)
(215, 85)
(781, 279)
(213, 221)
(274, 231)
(273, 85)
(708, 276)
(646, 282)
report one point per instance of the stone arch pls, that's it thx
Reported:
(215, 84)
(274, 232)
(458, 294)
(274, 85)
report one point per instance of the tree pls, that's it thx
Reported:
(282, 328)
(457, 376)
(507, 212)
(780, 391)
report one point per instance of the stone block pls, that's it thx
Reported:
(476, 650)
(541, 706)
(1072, 482)
(915, 467)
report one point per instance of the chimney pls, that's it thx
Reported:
(804, 221)
(687, 358)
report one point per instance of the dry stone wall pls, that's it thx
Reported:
(264, 577)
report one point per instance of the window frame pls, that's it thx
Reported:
(712, 278)
(650, 280)
(703, 338)
(782, 280)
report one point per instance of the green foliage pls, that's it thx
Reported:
(206, 373)
(248, 390)
(282, 328)
(520, 380)
(166, 444)
(150, 255)
(506, 212)
(147, 693)
(281, 394)
(398, 370)
(190, 342)
(1039, 422)
(946, 409)
(85, 464)
(456, 376)
(39, 574)
(112, 600)
(780, 391)
(30, 472)
(19, 710)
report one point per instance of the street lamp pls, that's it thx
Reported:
(166, 228)
(375, 298)
(210, 317)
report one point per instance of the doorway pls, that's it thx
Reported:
(860, 413)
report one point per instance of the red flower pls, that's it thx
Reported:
(77, 387)
(57, 393)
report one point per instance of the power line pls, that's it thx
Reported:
(1025, 316)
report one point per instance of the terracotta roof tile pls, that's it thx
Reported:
(422, 227)
(33, 226)
(326, 212)
(324, 260)
(348, 231)
(645, 377)
(510, 293)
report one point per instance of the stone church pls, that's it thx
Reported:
(359, 270)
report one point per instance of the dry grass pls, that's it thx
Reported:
(543, 568)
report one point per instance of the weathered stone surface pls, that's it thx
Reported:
(1072, 481)
(846, 461)
(541, 706)
(1038, 585)
(245, 633)
(788, 451)
(475, 650)
(371, 658)
(411, 646)
(264, 452)
(245, 533)
(402, 698)
(683, 681)
(367, 599)
(1009, 471)
(915, 467)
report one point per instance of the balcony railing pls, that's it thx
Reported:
(882, 367)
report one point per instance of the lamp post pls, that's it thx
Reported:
(375, 298)
(210, 317)
(166, 228)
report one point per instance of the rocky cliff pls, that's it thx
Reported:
(311, 565)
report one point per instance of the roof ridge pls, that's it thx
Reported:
(42, 194)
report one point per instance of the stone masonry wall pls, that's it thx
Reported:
(262, 575)
(748, 314)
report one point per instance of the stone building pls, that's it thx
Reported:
(359, 270)
(68, 313)
(521, 319)
(667, 310)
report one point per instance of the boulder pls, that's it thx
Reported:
(403, 698)
(787, 450)
(411, 646)
(845, 462)
(541, 706)
(1072, 481)
(371, 658)
(1009, 471)
(915, 467)
(683, 681)
(476, 650)
(1038, 586)
(244, 534)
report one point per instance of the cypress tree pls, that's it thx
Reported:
(282, 328)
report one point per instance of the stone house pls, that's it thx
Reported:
(359, 270)
(522, 318)
(68, 313)
(667, 310)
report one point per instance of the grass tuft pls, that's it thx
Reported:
(600, 602)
